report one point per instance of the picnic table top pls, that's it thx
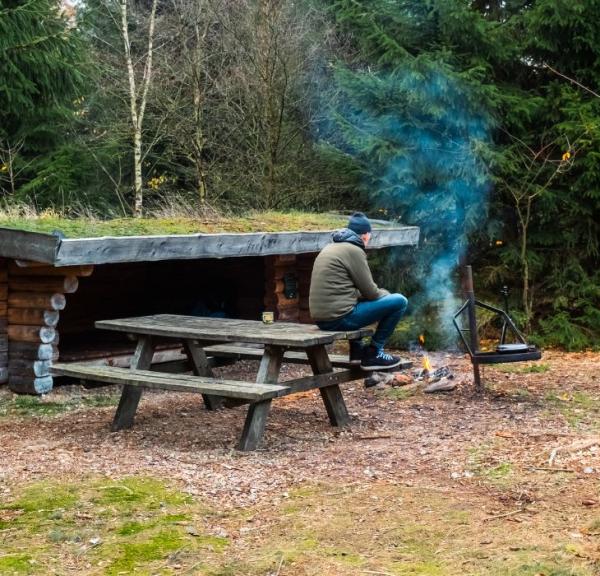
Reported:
(229, 330)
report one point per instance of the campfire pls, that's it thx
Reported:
(439, 380)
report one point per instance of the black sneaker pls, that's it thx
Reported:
(357, 349)
(374, 359)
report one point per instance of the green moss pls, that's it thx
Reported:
(128, 556)
(133, 492)
(251, 222)
(15, 564)
(131, 528)
(40, 406)
(545, 569)
(458, 517)
(168, 518)
(327, 529)
(43, 499)
(499, 472)
(399, 393)
(215, 543)
(538, 368)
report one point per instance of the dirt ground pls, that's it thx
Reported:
(450, 483)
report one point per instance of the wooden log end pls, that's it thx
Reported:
(25, 385)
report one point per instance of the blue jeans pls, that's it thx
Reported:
(387, 310)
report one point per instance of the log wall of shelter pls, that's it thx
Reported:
(287, 284)
(39, 302)
(230, 287)
(305, 263)
(36, 295)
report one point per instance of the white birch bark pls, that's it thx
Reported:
(137, 104)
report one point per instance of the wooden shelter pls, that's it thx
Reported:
(53, 289)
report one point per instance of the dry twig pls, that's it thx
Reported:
(505, 514)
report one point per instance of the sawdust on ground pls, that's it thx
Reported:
(534, 424)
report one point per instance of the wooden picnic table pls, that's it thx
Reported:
(202, 337)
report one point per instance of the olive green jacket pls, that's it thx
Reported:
(340, 277)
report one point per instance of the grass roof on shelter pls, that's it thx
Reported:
(87, 227)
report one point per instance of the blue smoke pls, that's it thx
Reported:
(419, 139)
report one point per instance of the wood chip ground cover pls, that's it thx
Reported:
(506, 483)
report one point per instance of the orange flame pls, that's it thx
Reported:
(426, 363)
(421, 339)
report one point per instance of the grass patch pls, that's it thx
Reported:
(539, 368)
(126, 526)
(140, 525)
(483, 463)
(578, 408)
(49, 221)
(399, 392)
(30, 406)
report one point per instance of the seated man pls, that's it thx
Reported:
(343, 295)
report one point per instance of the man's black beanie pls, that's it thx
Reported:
(359, 223)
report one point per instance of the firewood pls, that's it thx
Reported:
(3, 308)
(34, 300)
(3, 374)
(46, 270)
(24, 385)
(34, 334)
(65, 285)
(33, 317)
(3, 274)
(3, 291)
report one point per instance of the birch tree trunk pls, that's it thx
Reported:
(137, 102)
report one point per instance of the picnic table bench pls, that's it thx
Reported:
(202, 337)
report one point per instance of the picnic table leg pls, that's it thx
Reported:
(130, 397)
(199, 362)
(332, 395)
(256, 418)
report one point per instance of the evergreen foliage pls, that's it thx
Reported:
(41, 74)
(542, 167)
(477, 120)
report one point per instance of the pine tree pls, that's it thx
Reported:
(40, 79)
(505, 68)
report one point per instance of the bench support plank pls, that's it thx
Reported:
(201, 367)
(331, 395)
(254, 426)
(256, 418)
(130, 397)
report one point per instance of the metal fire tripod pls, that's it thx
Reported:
(519, 351)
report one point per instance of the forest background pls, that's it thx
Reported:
(477, 121)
